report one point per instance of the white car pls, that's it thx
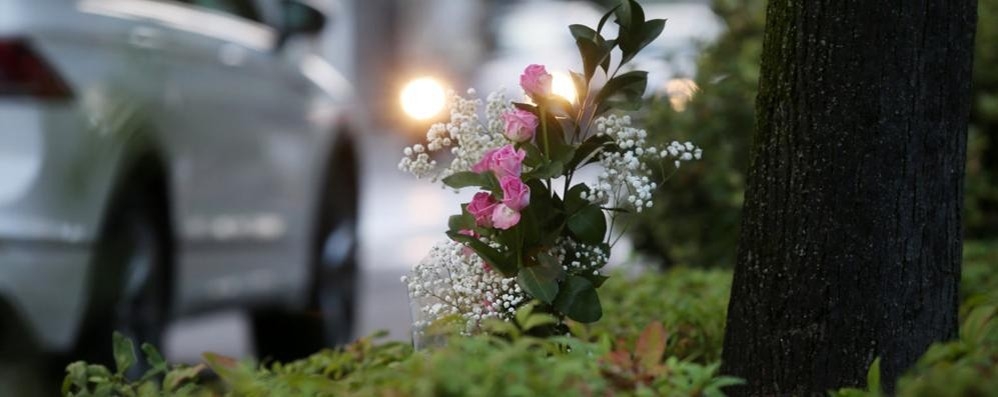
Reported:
(159, 158)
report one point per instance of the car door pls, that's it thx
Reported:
(241, 146)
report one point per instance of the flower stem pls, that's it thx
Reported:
(544, 132)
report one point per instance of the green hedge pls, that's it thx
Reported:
(617, 356)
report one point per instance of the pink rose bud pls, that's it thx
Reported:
(481, 207)
(536, 81)
(515, 193)
(485, 163)
(520, 125)
(507, 161)
(504, 217)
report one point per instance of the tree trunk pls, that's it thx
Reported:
(851, 238)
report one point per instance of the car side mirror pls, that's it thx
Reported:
(298, 17)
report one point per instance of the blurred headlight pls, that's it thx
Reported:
(680, 91)
(562, 85)
(423, 98)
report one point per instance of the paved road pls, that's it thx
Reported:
(401, 218)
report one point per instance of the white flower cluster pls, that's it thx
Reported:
(582, 258)
(465, 134)
(626, 178)
(453, 281)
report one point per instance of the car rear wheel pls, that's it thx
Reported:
(329, 317)
(130, 282)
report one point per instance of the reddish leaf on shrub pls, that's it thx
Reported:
(650, 347)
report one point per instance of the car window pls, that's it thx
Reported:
(241, 8)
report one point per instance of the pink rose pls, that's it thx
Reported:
(504, 217)
(536, 81)
(520, 125)
(481, 207)
(507, 161)
(485, 163)
(515, 193)
(503, 161)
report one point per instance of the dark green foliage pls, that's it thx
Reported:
(689, 303)
(695, 220)
(981, 207)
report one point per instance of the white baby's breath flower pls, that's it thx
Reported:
(460, 284)
(466, 136)
(626, 180)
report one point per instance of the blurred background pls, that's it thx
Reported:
(220, 175)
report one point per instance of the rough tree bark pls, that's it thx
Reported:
(851, 239)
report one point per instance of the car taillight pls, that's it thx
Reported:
(23, 72)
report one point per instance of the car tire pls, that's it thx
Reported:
(131, 282)
(24, 369)
(329, 317)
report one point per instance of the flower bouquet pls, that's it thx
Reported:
(533, 232)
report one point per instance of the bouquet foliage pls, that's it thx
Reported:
(533, 231)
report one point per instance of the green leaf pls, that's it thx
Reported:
(573, 200)
(547, 170)
(624, 13)
(592, 55)
(155, 360)
(467, 178)
(178, 376)
(583, 32)
(586, 152)
(596, 279)
(76, 374)
(608, 50)
(530, 220)
(523, 313)
(650, 31)
(463, 221)
(602, 21)
(152, 356)
(577, 298)
(588, 224)
(631, 86)
(124, 352)
(538, 320)
(978, 324)
(534, 156)
(630, 18)
(873, 377)
(148, 389)
(491, 256)
(540, 280)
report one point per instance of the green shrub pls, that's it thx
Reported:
(511, 364)
(661, 335)
(691, 303)
(696, 216)
(982, 149)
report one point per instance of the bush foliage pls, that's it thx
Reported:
(662, 336)
(696, 218)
